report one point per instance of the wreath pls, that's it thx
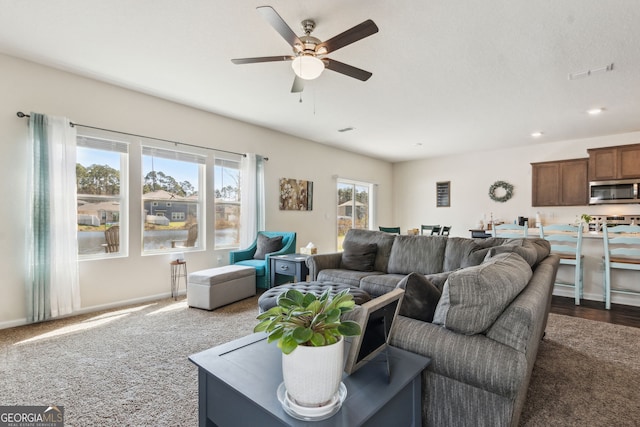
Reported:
(508, 191)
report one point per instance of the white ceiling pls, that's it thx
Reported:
(448, 76)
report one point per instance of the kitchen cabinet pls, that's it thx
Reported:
(619, 162)
(560, 183)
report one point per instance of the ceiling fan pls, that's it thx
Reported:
(309, 53)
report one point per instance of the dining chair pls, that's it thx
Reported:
(621, 251)
(432, 229)
(566, 241)
(445, 230)
(511, 230)
(393, 230)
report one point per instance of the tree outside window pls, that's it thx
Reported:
(171, 199)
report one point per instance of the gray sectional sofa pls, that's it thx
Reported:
(483, 341)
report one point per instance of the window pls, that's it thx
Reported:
(354, 207)
(101, 182)
(172, 198)
(226, 183)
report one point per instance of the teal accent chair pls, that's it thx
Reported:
(262, 266)
(621, 251)
(566, 241)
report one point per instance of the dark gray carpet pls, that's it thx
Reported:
(129, 367)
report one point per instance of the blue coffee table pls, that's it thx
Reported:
(237, 384)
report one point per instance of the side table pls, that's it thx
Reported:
(293, 265)
(237, 384)
(178, 271)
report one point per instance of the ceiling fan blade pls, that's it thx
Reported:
(262, 59)
(352, 35)
(298, 85)
(279, 25)
(348, 70)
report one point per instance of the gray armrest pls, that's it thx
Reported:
(316, 263)
(471, 359)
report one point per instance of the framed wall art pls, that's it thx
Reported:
(296, 195)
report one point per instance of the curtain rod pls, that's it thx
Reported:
(22, 115)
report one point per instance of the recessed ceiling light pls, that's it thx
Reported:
(537, 134)
(595, 111)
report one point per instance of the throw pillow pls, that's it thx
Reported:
(474, 297)
(358, 256)
(266, 245)
(420, 297)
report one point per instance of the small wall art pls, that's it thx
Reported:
(296, 195)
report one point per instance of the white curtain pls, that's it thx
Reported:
(52, 271)
(252, 215)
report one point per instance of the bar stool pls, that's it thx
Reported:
(621, 251)
(511, 230)
(566, 241)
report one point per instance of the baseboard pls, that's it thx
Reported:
(94, 308)
(623, 299)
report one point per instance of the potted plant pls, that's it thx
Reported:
(309, 331)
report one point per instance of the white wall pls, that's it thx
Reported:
(27, 87)
(471, 175)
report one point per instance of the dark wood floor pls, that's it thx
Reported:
(626, 315)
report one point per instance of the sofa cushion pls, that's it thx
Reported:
(420, 297)
(266, 245)
(358, 256)
(420, 254)
(474, 297)
(383, 240)
(533, 250)
(377, 285)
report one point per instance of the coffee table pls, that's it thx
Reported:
(237, 384)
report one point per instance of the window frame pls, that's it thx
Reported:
(110, 142)
(183, 155)
(236, 159)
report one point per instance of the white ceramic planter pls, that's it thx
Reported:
(312, 375)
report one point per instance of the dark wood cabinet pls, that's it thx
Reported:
(560, 183)
(620, 162)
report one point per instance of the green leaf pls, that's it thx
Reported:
(273, 311)
(308, 299)
(333, 316)
(317, 340)
(302, 335)
(276, 335)
(287, 344)
(314, 307)
(349, 328)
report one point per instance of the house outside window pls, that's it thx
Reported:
(172, 199)
(226, 183)
(355, 201)
(101, 185)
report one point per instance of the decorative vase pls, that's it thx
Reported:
(312, 375)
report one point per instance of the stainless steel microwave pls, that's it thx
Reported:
(614, 192)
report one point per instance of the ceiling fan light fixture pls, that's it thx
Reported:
(307, 67)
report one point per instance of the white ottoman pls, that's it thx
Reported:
(215, 287)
